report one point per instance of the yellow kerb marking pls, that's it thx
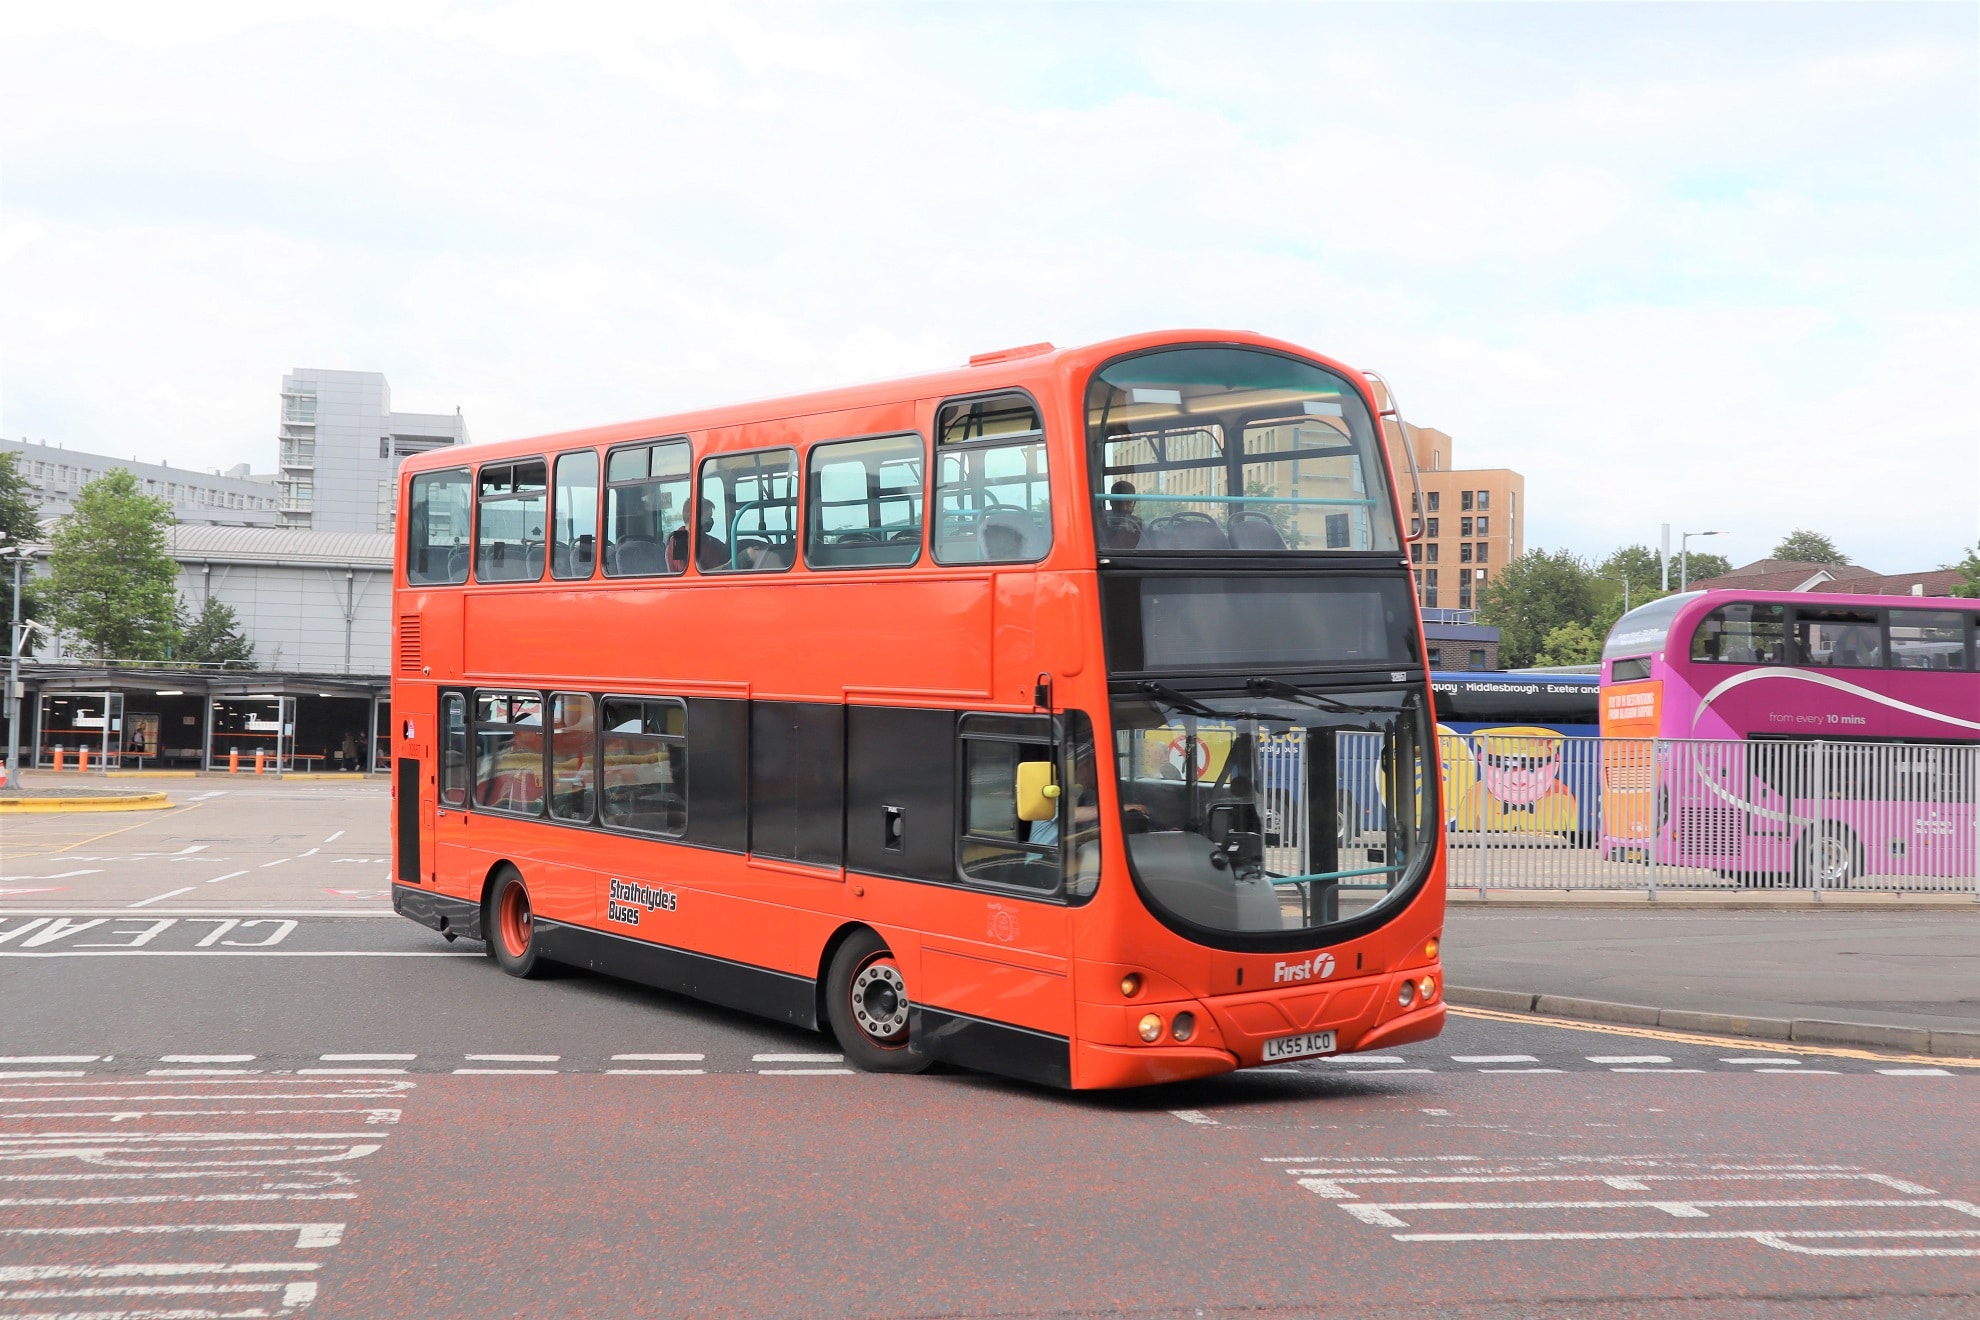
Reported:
(1718, 1042)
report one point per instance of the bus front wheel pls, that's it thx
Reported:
(511, 927)
(866, 1003)
(1830, 856)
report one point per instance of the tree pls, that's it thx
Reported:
(1806, 547)
(1533, 595)
(1969, 569)
(214, 637)
(1699, 566)
(20, 523)
(1572, 643)
(111, 584)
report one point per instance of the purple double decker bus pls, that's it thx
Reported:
(1789, 738)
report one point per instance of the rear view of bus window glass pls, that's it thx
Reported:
(751, 503)
(574, 516)
(453, 750)
(508, 538)
(1740, 634)
(993, 503)
(1928, 639)
(1206, 450)
(508, 752)
(1841, 639)
(441, 507)
(646, 500)
(573, 743)
(865, 503)
(643, 763)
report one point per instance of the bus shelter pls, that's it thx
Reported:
(83, 728)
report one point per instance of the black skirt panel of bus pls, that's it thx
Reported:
(718, 774)
(797, 781)
(408, 820)
(900, 787)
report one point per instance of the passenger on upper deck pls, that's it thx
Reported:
(1119, 528)
(711, 552)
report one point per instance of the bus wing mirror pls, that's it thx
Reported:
(1037, 795)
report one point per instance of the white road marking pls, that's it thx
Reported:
(1779, 1239)
(277, 862)
(506, 1072)
(50, 1058)
(652, 1058)
(1359, 1058)
(1441, 1113)
(206, 1058)
(238, 953)
(386, 1058)
(333, 838)
(1493, 1058)
(1627, 1058)
(1657, 1070)
(1519, 1070)
(1396, 1072)
(307, 1235)
(350, 1072)
(170, 1198)
(515, 1058)
(804, 1072)
(229, 876)
(656, 1072)
(11, 1073)
(1916, 1072)
(797, 1058)
(311, 853)
(146, 1270)
(1781, 1059)
(1196, 1116)
(200, 1072)
(1800, 1072)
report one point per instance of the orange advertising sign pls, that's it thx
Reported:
(1631, 710)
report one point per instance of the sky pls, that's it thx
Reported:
(1711, 265)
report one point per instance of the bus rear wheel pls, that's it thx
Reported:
(866, 1003)
(511, 926)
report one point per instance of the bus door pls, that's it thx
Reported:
(446, 832)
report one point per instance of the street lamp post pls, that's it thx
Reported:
(1684, 562)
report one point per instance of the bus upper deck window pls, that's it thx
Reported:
(993, 499)
(440, 509)
(508, 535)
(747, 519)
(646, 501)
(1928, 639)
(574, 516)
(1842, 639)
(1234, 450)
(1743, 633)
(865, 500)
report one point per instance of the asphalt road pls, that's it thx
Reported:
(335, 1109)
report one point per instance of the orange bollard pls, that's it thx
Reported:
(82, 760)
(58, 756)
(234, 761)
(259, 757)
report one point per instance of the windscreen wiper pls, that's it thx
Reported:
(1272, 687)
(1180, 700)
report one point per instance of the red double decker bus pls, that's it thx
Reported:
(1002, 716)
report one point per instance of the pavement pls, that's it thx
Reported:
(232, 1083)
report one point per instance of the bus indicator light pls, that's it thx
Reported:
(1151, 1027)
(1430, 948)
(1130, 985)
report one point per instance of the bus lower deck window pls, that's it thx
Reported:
(573, 759)
(643, 765)
(508, 752)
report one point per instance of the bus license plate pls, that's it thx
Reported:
(1299, 1047)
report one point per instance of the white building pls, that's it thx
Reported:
(340, 446)
(230, 499)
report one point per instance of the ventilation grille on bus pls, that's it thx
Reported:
(409, 651)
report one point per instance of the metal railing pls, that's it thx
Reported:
(1546, 812)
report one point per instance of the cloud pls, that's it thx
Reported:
(1706, 265)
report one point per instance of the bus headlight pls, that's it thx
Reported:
(1184, 1026)
(1407, 995)
(1428, 988)
(1150, 1027)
